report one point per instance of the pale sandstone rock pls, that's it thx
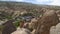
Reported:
(53, 30)
(21, 31)
(58, 28)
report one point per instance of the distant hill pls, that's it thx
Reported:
(5, 3)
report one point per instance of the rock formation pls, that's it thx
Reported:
(58, 28)
(53, 30)
(21, 24)
(48, 19)
(33, 24)
(21, 31)
(8, 27)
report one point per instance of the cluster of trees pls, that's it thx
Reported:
(4, 15)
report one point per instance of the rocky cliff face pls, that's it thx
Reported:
(48, 19)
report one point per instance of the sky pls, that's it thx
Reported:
(45, 2)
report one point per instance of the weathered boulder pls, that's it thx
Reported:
(53, 30)
(48, 19)
(58, 28)
(8, 27)
(21, 31)
(33, 24)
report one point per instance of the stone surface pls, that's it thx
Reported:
(21, 31)
(8, 27)
(55, 29)
(58, 28)
(48, 19)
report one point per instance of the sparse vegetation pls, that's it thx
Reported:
(16, 23)
(1, 27)
(13, 10)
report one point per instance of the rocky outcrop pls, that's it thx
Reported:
(8, 27)
(33, 23)
(55, 29)
(21, 31)
(49, 19)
